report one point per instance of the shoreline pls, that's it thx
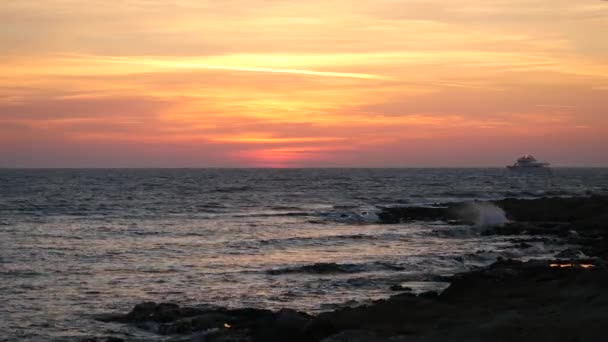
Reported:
(557, 300)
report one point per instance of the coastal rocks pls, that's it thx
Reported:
(217, 324)
(472, 213)
(400, 288)
(407, 214)
(318, 268)
(508, 301)
(542, 300)
(285, 325)
(334, 268)
(588, 210)
(188, 325)
(557, 216)
(560, 229)
(102, 339)
(355, 336)
(152, 312)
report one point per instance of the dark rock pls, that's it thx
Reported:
(142, 311)
(167, 312)
(524, 245)
(589, 212)
(355, 336)
(217, 323)
(319, 328)
(289, 319)
(507, 301)
(486, 304)
(318, 268)
(196, 323)
(334, 268)
(399, 287)
(110, 317)
(152, 312)
(429, 294)
(556, 209)
(406, 214)
(287, 325)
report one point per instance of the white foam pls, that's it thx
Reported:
(489, 215)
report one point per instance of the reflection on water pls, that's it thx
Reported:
(80, 242)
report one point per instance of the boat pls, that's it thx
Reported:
(529, 163)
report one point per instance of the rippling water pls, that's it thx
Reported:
(75, 243)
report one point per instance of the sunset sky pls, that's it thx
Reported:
(314, 83)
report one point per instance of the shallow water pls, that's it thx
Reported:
(75, 243)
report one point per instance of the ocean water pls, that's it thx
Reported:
(76, 243)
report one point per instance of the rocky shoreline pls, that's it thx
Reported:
(542, 300)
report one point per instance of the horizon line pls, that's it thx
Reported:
(272, 168)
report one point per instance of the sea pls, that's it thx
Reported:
(76, 243)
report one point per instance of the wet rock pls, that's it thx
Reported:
(289, 319)
(407, 214)
(399, 287)
(524, 245)
(507, 301)
(355, 336)
(587, 212)
(335, 268)
(319, 268)
(429, 294)
(189, 325)
(286, 325)
(102, 339)
(487, 298)
(110, 317)
(217, 324)
(319, 328)
(556, 209)
(153, 312)
(228, 336)
(167, 312)
(141, 312)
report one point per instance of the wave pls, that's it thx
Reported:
(212, 205)
(334, 268)
(300, 241)
(351, 216)
(275, 214)
(284, 207)
(231, 189)
(341, 216)
(345, 207)
(319, 238)
(465, 194)
(147, 232)
(20, 273)
(456, 232)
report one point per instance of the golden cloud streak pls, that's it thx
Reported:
(193, 65)
(253, 139)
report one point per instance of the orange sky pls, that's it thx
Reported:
(282, 83)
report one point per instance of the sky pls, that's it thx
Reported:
(310, 83)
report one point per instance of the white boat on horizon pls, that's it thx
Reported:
(529, 163)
